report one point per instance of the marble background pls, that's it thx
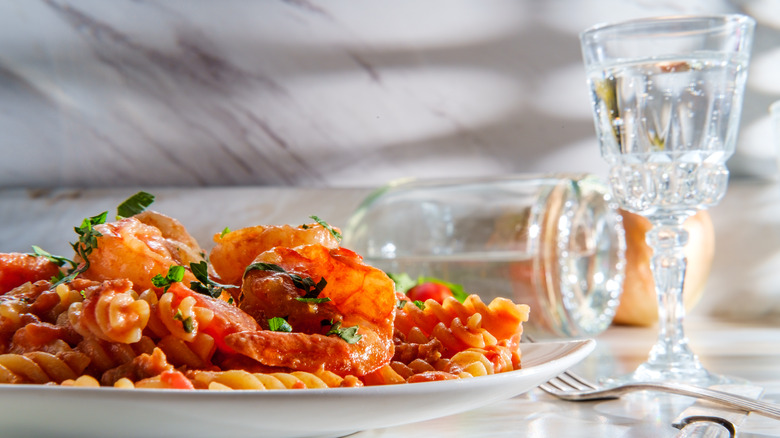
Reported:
(319, 93)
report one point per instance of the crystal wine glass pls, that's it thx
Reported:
(667, 97)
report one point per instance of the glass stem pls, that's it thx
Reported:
(671, 352)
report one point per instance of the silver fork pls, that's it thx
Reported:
(569, 386)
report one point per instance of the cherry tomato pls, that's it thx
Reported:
(176, 380)
(434, 291)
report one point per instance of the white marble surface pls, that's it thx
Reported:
(735, 330)
(318, 93)
(744, 283)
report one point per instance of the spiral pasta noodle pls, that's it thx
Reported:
(179, 318)
(112, 312)
(40, 367)
(239, 379)
(104, 356)
(502, 319)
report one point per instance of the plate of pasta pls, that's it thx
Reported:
(27, 410)
(275, 330)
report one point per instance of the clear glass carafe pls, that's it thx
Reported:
(554, 242)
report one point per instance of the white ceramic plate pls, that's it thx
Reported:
(35, 411)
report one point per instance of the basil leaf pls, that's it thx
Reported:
(134, 205)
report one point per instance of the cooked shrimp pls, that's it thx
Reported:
(183, 247)
(17, 269)
(360, 295)
(133, 250)
(227, 317)
(234, 251)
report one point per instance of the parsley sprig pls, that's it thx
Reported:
(186, 323)
(334, 232)
(88, 235)
(278, 324)
(134, 205)
(84, 246)
(58, 260)
(311, 289)
(205, 285)
(349, 334)
(175, 274)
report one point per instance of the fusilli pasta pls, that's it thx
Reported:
(312, 315)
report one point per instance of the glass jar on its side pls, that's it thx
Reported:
(554, 242)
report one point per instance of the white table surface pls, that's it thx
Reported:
(735, 330)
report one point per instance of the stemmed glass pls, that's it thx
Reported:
(667, 97)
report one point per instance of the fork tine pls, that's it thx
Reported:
(584, 384)
(566, 381)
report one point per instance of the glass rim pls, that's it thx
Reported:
(739, 19)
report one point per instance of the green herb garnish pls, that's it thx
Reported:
(175, 274)
(186, 323)
(279, 325)
(134, 205)
(327, 226)
(86, 244)
(307, 285)
(349, 334)
(224, 231)
(419, 304)
(403, 281)
(58, 260)
(205, 285)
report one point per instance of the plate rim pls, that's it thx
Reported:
(472, 393)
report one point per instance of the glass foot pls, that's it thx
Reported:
(692, 375)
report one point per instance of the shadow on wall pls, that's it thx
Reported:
(310, 93)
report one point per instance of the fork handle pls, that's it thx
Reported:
(724, 398)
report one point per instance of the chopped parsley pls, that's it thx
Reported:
(224, 231)
(279, 325)
(307, 285)
(86, 244)
(205, 285)
(349, 334)
(58, 260)
(419, 304)
(327, 226)
(186, 323)
(175, 274)
(134, 205)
